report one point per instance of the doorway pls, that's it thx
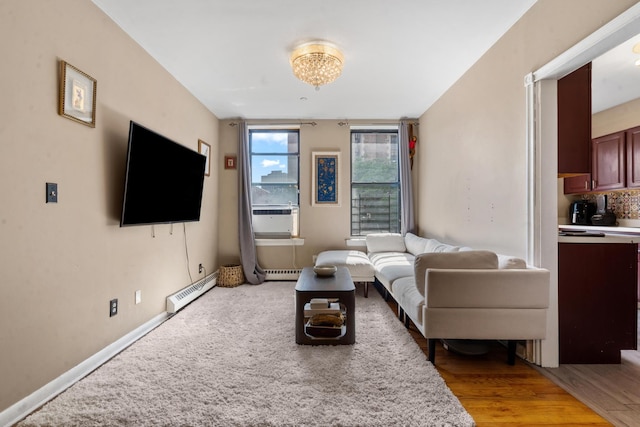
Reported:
(541, 95)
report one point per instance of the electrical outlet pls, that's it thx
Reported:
(138, 296)
(200, 268)
(52, 192)
(113, 307)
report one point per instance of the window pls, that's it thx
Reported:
(275, 164)
(375, 182)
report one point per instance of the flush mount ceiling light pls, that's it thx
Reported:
(636, 49)
(317, 63)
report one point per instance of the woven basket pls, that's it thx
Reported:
(230, 276)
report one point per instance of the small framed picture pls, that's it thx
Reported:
(77, 95)
(230, 162)
(324, 178)
(205, 150)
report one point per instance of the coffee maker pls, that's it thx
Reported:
(580, 212)
(603, 216)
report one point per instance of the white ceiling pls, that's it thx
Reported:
(615, 77)
(400, 56)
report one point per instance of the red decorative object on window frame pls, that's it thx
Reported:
(412, 148)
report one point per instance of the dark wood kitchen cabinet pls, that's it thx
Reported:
(608, 170)
(597, 301)
(574, 122)
(633, 157)
(638, 279)
(577, 184)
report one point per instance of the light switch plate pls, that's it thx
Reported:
(52, 192)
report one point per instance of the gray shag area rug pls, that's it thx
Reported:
(230, 359)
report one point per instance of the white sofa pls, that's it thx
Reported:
(452, 292)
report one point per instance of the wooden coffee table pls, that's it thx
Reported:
(340, 287)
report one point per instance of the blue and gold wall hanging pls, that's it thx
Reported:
(325, 178)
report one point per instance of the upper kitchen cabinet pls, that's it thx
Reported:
(577, 184)
(633, 157)
(608, 168)
(574, 122)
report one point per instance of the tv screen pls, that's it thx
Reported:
(163, 181)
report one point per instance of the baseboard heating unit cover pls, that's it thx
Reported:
(282, 273)
(184, 296)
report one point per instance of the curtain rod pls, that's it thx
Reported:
(346, 123)
(278, 124)
(342, 123)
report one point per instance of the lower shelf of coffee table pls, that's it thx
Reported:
(324, 332)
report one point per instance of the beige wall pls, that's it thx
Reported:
(621, 117)
(322, 227)
(60, 264)
(473, 150)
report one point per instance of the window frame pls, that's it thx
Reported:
(252, 154)
(363, 184)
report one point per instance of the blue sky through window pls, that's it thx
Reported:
(274, 145)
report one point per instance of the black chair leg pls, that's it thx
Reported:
(431, 343)
(511, 352)
(407, 321)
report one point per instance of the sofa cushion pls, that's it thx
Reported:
(385, 242)
(508, 261)
(415, 244)
(459, 260)
(357, 263)
(390, 266)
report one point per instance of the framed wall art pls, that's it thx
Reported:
(205, 150)
(324, 179)
(77, 95)
(230, 162)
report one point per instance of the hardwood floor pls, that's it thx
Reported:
(496, 394)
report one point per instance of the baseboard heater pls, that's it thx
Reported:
(184, 296)
(282, 274)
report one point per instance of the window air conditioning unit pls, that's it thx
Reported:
(275, 223)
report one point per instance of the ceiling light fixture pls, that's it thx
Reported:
(636, 49)
(317, 63)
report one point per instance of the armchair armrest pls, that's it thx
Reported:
(487, 288)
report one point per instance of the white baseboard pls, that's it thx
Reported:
(24, 407)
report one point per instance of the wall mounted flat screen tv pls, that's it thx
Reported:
(163, 182)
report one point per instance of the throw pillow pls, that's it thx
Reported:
(385, 242)
(415, 244)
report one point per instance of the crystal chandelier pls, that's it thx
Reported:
(317, 63)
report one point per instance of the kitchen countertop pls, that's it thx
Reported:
(612, 234)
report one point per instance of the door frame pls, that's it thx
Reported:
(542, 160)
